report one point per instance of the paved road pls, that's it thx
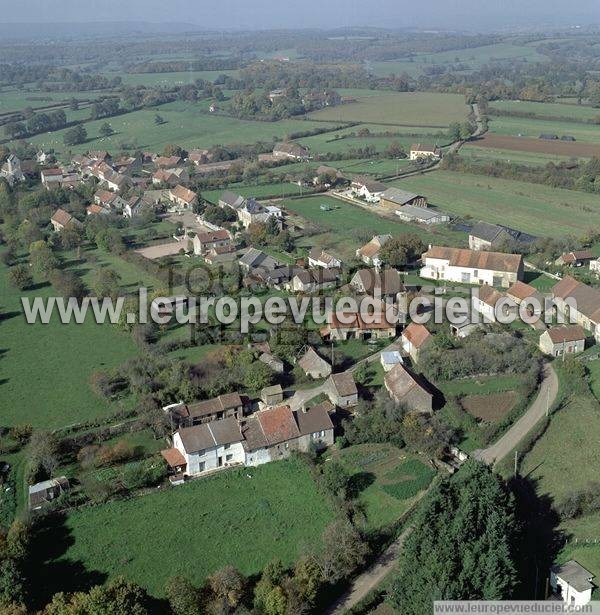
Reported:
(510, 440)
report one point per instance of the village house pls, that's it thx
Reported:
(406, 389)
(169, 177)
(256, 259)
(368, 189)
(327, 176)
(232, 200)
(56, 178)
(578, 258)
(471, 266)
(341, 390)
(353, 326)
(420, 151)
(291, 151)
(420, 215)
(127, 164)
(198, 156)
(275, 364)
(62, 219)
(93, 210)
(134, 206)
(389, 359)
(369, 253)
(393, 198)
(223, 254)
(11, 170)
(385, 284)
(225, 406)
(272, 396)
(167, 162)
(313, 365)
(316, 427)
(253, 212)
(520, 292)
(485, 301)
(486, 236)
(108, 199)
(578, 303)
(414, 338)
(46, 491)
(182, 197)
(317, 257)
(563, 340)
(572, 583)
(314, 280)
(204, 242)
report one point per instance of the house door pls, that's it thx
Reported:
(220, 462)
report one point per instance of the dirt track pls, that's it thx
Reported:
(537, 146)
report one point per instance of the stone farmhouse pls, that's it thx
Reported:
(563, 340)
(579, 303)
(406, 389)
(486, 236)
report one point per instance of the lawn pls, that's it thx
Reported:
(534, 208)
(45, 369)
(400, 108)
(186, 124)
(390, 478)
(242, 517)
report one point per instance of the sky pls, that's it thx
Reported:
(266, 14)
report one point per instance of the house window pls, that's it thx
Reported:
(287, 445)
(201, 466)
(465, 277)
(202, 453)
(228, 457)
(227, 446)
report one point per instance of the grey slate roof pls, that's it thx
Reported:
(574, 574)
(398, 196)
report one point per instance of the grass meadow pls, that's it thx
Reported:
(527, 127)
(533, 208)
(557, 110)
(242, 517)
(400, 108)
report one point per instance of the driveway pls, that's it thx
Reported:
(511, 439)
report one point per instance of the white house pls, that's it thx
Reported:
(414, 338)
(419, 151)
(319, 258)
(572, 583)
(472, 267)
(11, 170)
(368, 189)
(485, 301)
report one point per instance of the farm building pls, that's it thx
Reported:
(353, 326)
(183, 197)
(313, 365)
(579, 303)
(62, 219)
(486, 236)
(485, 302)
(563, 340)
(471, 266)
(272, 396)
(394, 198)
(230, 405)
(389, 359)
(313, 280)
(386, 284)
(342, 390)
(317, 257)
(46, 491)
(578, 258)
(232, 200)
(420, 150)
(410, 213)
(368, 189)
(293, 151)
(204, 242)
(405, 388)
(414, 338)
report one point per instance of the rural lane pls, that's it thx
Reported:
(545, 398)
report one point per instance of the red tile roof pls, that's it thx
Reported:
(416, 334)
(475, 259)
(173, 457)
(278, 425)
(566, 333)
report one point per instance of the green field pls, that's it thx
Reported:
(526, 127)
(557, 110)
(488, 154)
(394, 478)
(186, 125)
(400, 108)
(473, 57)
(533, 208)
(241, 517)
(15, 100)
(58, 358)
(279, 190)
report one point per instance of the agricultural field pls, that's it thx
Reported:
(561, 111)
(556, 148)
(480, 151)
(400, 108)
(472, 58)
(532, 128)
(533, 208)
(143, 539)
(52, 356)
(16, 100)
(389, 480)
(185, 124)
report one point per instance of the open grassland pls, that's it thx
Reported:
(387, 478)
(348, 226)
(45, 369)
(400, 108)
(527, 127)
(472, 58)
(548, 110)
(241, 517)
(185, 124)
(16, 100)
(532, 208)
(477, 153)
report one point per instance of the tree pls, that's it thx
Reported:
(75, 135)
(462, 544)
(257, 375)
(159, 119)
(335, 478)
(343, 552)
(19, 276)
(106, 283)
(184, 598)
(227, 587)
(106, 130)
(402, 250)
(67, 284)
